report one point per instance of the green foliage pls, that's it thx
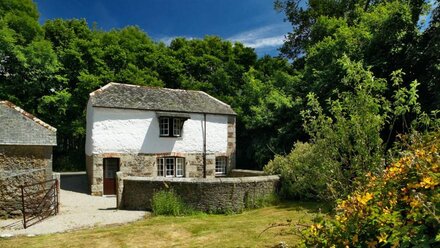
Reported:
(300, 171)
(50, 69)
(346, 142)
(166, 202)
(395, 209)
(261, 201)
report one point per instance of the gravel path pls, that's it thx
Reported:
(78, 210)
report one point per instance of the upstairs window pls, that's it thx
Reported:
(164, 125)
(171, 126)
(171, 167)
(221, 165)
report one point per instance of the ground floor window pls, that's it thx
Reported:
(171, 167)
(221, 165)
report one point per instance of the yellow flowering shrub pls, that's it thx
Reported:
(398, 209)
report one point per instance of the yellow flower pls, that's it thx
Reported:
(382, 238)
(415, 203)
(428, 182)
(420, 153)
(364, 199)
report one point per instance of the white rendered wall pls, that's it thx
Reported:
(137, 131)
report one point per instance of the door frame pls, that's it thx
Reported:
(103, 173)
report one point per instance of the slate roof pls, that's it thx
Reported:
(18, 127)
(126, 96)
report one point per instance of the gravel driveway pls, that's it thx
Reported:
(78, 210)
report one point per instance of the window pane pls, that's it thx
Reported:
(220, 165)
(164, 126)
(177, 124)
(160, 167)
(179, 167)
(170, 167)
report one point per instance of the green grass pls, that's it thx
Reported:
(168, 203)
(200, 230)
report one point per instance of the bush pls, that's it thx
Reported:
(166, 202)
(300, 173)
(398, 209)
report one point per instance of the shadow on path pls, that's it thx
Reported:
(76, 182)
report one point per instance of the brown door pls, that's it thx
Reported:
(111, 166)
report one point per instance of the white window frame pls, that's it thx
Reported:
(221, 165)
(180, 167)
(160, 169)
(177, 127)
(171, 167)
(164, 125)
(170, 164)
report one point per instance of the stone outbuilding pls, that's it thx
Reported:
(25, 153)
(156, 132)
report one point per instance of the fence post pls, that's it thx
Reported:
(23, 206)
(57, 177)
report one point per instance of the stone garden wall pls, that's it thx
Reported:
(205, 194)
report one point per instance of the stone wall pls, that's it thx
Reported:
(21, 165)
(211, 195)
(145, 165)
(245, 173)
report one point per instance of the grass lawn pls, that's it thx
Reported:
(202, 230)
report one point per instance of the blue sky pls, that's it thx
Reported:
(252, 22)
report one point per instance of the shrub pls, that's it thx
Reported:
(166, 202)
(399, 208)
(300, 173)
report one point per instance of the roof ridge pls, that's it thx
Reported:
(27, 115)
(148, 97)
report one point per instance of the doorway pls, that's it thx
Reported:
(111, 166)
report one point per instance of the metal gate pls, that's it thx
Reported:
(39, 201)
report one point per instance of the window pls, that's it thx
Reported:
(160, 167)
(177, 127)
(171, 126)
(171, 167)
(164, 124)
(220, 165)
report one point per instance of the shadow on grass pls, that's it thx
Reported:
(308, 206)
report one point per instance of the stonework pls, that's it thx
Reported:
(219, 195)
(21, 165)
(145, 165)
(231, 149)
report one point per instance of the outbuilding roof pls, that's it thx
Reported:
(18, 127)
(127, 96)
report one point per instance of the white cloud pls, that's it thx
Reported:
(167, 39)
(268, 36)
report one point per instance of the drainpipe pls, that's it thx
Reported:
(204, 145)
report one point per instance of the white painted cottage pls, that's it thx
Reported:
(146, 131)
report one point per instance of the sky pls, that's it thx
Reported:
(252, 22)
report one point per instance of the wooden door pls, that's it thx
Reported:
(111, 166)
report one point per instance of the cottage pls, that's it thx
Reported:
(156, 132)
(25, 152)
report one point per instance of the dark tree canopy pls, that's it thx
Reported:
(50, 69)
